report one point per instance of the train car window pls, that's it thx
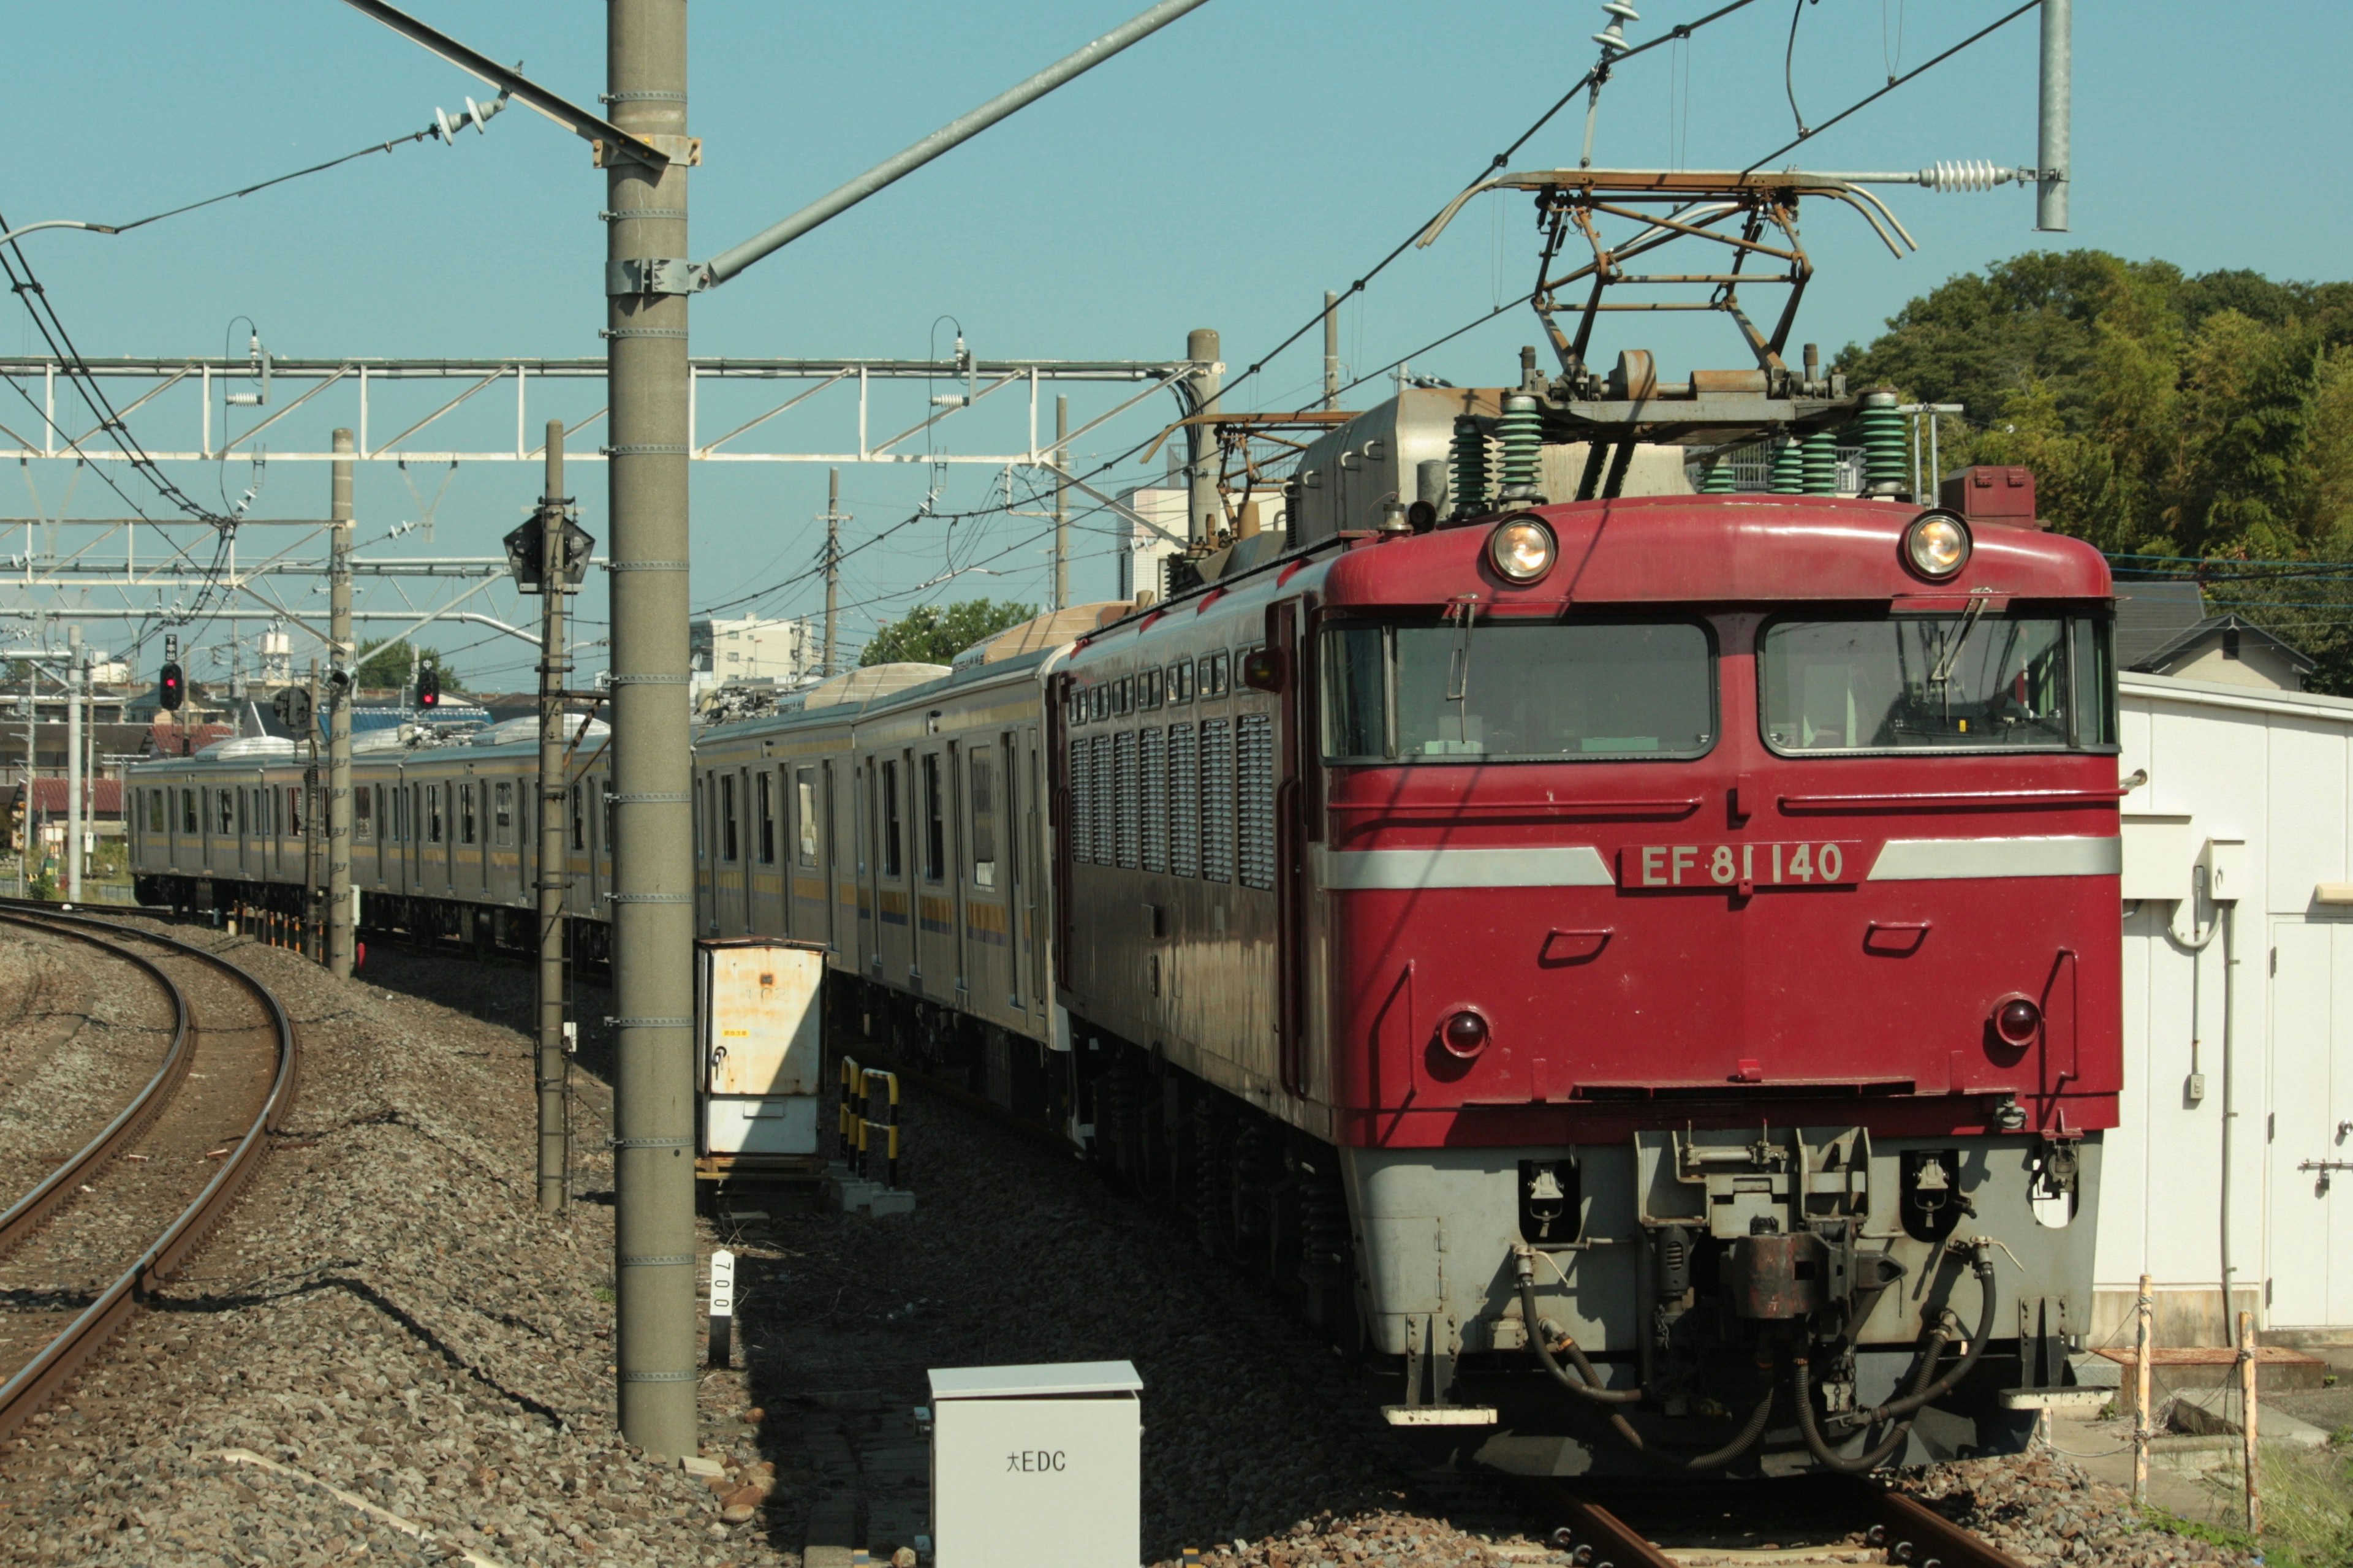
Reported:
(242, 808)
(1519, 692)
(1153, 766)
(1147, 686)
(155, 811)
(502, 810)
(984, 819)
(1180, 682)
(432, 824)
(400, 829)
(362, 815)
(1218, 800)
(891, 819)
(1099, 701)
(1213, 675)
(1254, 800)
(2092, 658)
(1081, 827)
(187, 811)
(767, 806)
(294, 811)
(1963, 682)
(580, 821)
(1184, 800)
(1122, 697)
(466, 823)
(935, 827)
(225, 812)
(604, 797)
(1127, 800)
(729, 843)
(805, 802)
(701, 826)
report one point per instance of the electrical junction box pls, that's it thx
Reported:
(1037, 1464)
(1991, 493)
(2224, 861)
(759, 1005)
(2160, 855)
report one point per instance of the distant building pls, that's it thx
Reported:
(2162, 628)
(720, 649)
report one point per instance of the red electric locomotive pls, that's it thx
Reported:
(1649, 963)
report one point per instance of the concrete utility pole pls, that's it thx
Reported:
(315, 939)
(1204, 510)
(653, 862)
(73, 764)
(2051, 149)
(555, 855)
(340, 912)
(1061, 503)
(32, 765)
(833, 559)
(1330, 351)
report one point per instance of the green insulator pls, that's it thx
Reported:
(1886, 450)
(1820, 465)
(1521, 432)
(1788, 470)
(1716, 476)
(1470, 467)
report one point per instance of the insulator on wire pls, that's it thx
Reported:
(1966, 175)
(1612, 36)
(1886, 450)
(1470, 467)
(1521, 433)
(1819, 464)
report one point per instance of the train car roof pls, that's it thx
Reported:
(1721, 550)
(881, 702)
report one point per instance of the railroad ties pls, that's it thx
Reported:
(87, 1241)
(1895, 1530)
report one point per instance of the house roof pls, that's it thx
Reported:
(2151, 614)
(2207, 630)
(51, 796)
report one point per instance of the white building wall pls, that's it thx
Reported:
(2274, 770)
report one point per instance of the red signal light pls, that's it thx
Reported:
(429, 687)
(1464, 1035)
(2017, 1019)
(170, 690)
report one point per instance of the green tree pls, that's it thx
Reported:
(386, 664)
(2206, 419)
(931, 635)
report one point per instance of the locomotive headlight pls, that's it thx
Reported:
(1521, 549)
(1936, 544)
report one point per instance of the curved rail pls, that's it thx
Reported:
(31, 1385)
(26, 1214)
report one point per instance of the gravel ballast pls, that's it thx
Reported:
(387, 1320)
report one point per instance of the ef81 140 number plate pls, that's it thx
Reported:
(1742, 868)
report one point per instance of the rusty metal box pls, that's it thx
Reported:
(760, 1046)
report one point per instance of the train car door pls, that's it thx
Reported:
(959, 857)
(2307, 1259)
(831, 849)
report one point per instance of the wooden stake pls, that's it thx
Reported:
(2247, 1413)
(2145, 1311)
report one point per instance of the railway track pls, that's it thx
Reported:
(117, 1217)
(1754, 1529)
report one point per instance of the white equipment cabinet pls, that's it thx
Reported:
(760, 1037)
(1037, 1464)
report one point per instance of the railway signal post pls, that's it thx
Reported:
(556, 579)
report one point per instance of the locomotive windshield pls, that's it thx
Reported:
(1960, 682)
(1518, 690)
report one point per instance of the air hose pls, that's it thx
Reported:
(1922, 1392)
(1586, 1385)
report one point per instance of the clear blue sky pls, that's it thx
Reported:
(1222, 173)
